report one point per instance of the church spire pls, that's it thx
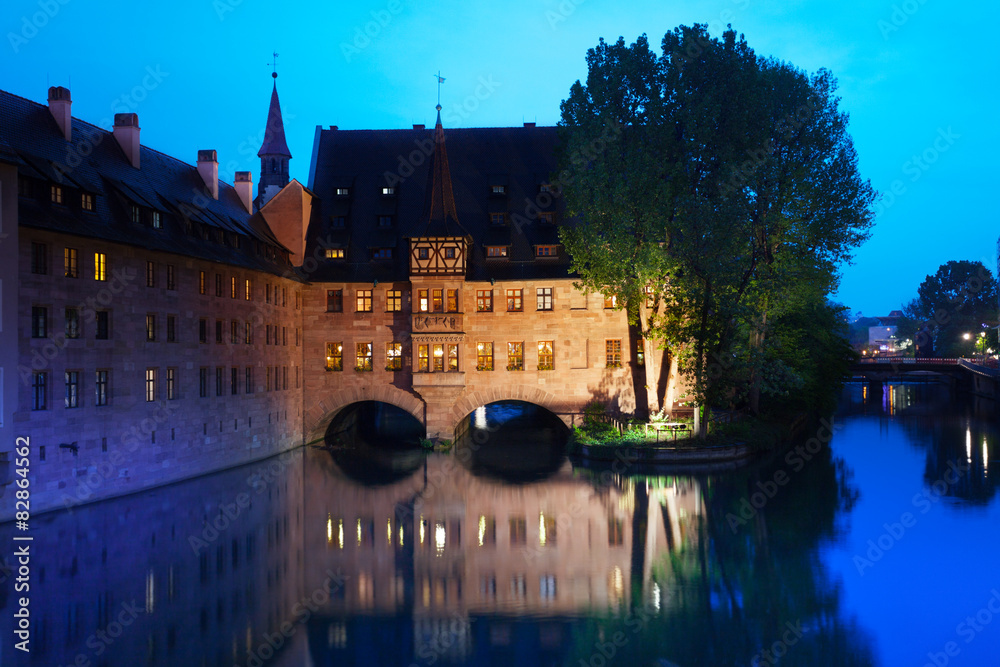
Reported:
(274, 154)
(442, 218)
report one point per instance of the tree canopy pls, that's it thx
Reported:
(719, 184)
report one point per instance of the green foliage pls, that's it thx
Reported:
(723, 181)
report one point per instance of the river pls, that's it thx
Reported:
(873, 541)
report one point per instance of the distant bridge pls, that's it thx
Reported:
(983, 379)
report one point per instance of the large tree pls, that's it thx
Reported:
(723, 182)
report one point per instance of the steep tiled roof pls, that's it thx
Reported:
(93, 162)
(517, 159)
(274, 131)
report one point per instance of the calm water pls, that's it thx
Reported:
(878, 547)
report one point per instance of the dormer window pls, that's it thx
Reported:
(134, 213)
(547, 217)
(56, 194)
(388, 192)
(498, 189)
(496, 251)
(545, 187)
(157, 220)
(338, 221)
(382, 253)
(498, 219)
(335, 253)
(385, 221)
(87, 201)
(343, 192)
(546, 251)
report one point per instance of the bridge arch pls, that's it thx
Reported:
(470, 400)
(322, 410)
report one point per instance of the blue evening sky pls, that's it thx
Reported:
(917, 82)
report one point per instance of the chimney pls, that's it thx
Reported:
(244, 188)
(59, 107)
(529, 124)
(208, 167)
(418, 126)
(126, 131)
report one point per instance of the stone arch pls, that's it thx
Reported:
(470, 400)
(320, 411)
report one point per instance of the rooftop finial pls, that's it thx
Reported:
(274, 66)
(440, 81)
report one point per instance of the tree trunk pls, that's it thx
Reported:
(639, 383)
(757, 344)
(700, 379)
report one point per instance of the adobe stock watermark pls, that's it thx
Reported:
(894, 532)
(900, 15)
(967, 630)
(30, 25)
(796, 459)
(917, 166)
(365, 35)
(773, 654)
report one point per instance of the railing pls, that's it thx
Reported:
(950, 361)
(979, 369)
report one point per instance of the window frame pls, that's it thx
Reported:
(335, 300)
(515, 300)
(543, 298)
(484, 301)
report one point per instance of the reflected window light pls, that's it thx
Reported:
(359, 531)
(968, 445)
(541, 529)
(423, 529)
(340, 533)
(439, 537)
(986, 456)
(150, 592)
(480, 417)
(388, 531)
(482, 529)
(656, 596)
(400, 536)
(329, 528)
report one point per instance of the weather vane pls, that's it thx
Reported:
(440, 81)
(274, 65)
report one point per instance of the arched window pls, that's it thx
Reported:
(274, 166)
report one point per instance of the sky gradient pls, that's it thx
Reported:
(917, 84)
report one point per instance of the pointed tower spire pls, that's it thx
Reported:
(274, 154)
(442, 218)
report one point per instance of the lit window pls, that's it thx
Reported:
(382, 253)
(233, 290)
(437, 349)
(150, 327)
(388, 191)
(484, 300)
(201, 282)
(546, 251)
(343, 192)
(452, 300)
(546, 357)
(87, 201)
(248, 289)
(70, 263)
(613, 352)
(422, 358)
(56, 194)
(514, 301)
(452, 358)
(363, 357)
(157, 220)
(150, 384)
(364, 301)
(496, 251)
(72, 389)
(484, 356)
(437, 301)
(393, 301)
(335, 356)
(499, 189)
(334, 300)
(100, 266)
(498, 218)
(515, 356)
(150, 274)
(610, 301)
(394, 356)
(544, 298)
(423, 301)
(101, 388)
(335, 253)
